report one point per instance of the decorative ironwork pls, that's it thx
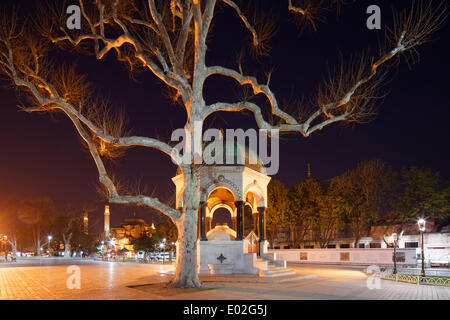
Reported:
(221, 258)
(222, 180)
(412, 278)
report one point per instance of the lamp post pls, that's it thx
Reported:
(49, 241)
(103, 249)
(5, 246)
(395, 238)
(113, 245)
(421, 224)
(162, 246)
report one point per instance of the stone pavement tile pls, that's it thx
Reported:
(111, 281)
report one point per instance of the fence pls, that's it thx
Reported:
(416, 279)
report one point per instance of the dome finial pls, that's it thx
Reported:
(309, 170)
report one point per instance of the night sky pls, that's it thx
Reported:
(42, 155)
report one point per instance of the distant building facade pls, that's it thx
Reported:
(436, 241)
(129, 230)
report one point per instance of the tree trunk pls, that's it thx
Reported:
(186, 268)
(67, 251)
(187, 256)
(38, 240)
(14, 248)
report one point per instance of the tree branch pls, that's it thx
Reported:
(244, 19)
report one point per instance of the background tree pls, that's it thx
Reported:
(166, 230)
(363, 195)
(10, 225)
(420, 195)
(169, 40)
(37, 213)
(327, 219)
(277, 215)
(305, 198)
(68, 228)
(144, 243)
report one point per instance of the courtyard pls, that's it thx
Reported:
(46, 279)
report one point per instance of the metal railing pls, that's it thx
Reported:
(416, 279)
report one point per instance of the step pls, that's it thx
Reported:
(277, 274)
(276, 268)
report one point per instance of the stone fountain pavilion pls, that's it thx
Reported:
(240, 191)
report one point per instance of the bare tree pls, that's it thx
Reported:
(66, 226)
(169, 40)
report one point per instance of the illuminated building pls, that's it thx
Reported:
(107, 233)
(129, 230)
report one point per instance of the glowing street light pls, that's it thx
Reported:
(5, 246)
(162, 245)
(421, 223)
(49, 241)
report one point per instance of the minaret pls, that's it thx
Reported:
(86, 223)
(309, 170)
(106, 221)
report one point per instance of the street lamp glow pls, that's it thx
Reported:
(49, 240)
(161, 245)
(421, 224)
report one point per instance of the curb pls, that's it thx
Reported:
(265, 281)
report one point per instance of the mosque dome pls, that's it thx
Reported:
(133, 221)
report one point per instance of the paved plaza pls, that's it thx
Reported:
(46, 279)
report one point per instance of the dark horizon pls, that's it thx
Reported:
(42, 154)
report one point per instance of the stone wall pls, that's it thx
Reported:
(351, 256)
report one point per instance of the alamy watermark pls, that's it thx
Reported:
(235, 147)
(74, 17)
(374, 20)
(74, 280)
(374, 281)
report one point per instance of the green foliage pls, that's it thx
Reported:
(420, 196)
(144, 243)
(304, 202)
(277, 213)
(166, 230)
(364, 194)
(327, 218)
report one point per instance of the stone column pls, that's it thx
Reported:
(202, 218)
(233, 222)
(262, 224)
(207, 224)
(255, 222)
(239, 220)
